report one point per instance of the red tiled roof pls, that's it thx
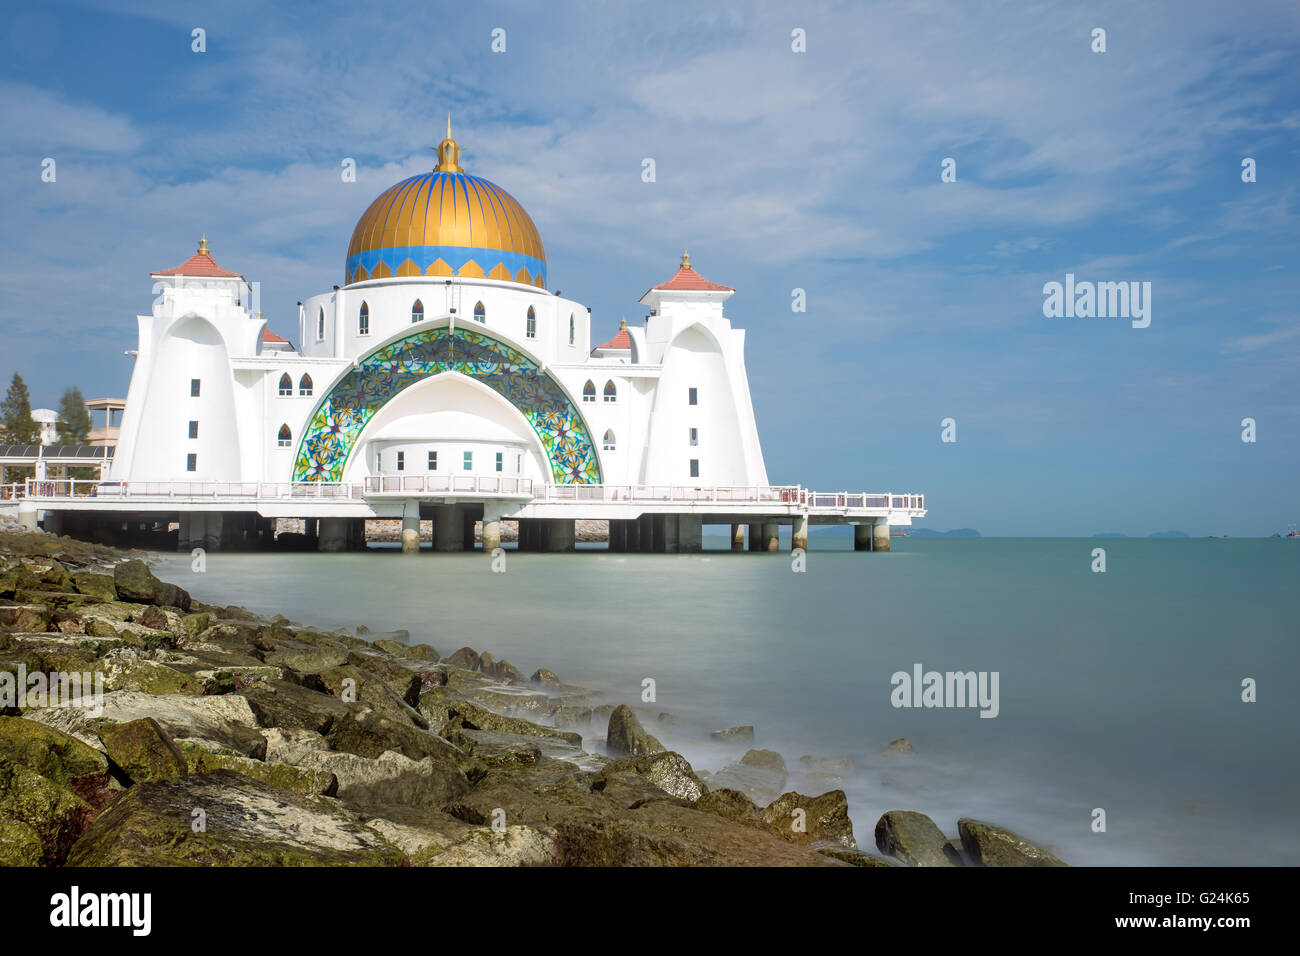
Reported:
(200, 265)
(269, 336)
(687, 279)
(620, 341)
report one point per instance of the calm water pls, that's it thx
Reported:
(1118, 690)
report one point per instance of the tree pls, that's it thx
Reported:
(16, 415)
(74, 418)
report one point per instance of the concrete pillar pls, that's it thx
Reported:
(690, 534)
(799, 534)
(213, 527)
(737, 537)
(356, 534)
(448, 529)
(468, 538)
(862, 537)
(53, 522)
(632, 534)
(333, 535)
(491, 528)
(667, 533)
(771, 536)
(193, 529)
(560, 534)
(27, 515)
(411, 528)
(755, 537)
(617, 534)
(311, 528)
(880, 535)
(646, 534)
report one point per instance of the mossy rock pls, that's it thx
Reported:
(195, 624)
(278, 775)
(913, 838)
(990, 845)
(135, 582)
(27, 618)
(93, 584)
(142, 749)
(20, 844)
(59, 758)
(56, 815)
(8, 584)
(149, 677)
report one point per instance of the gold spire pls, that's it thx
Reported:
(448, 153)
(203, 245)
(622, 324)
(686, 259)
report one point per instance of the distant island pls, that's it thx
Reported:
(915, 532)
(1155, 534)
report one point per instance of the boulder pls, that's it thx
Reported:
(824, 817)
(389, 779)
(446, 711)
(281, 776)
(670, 772)
(133, 581)
(626, 735)
(510, 846)
(897, 747)
(732, 805)
(59, 758)
(99, 586)
(224, 818)
(39, 820)
(990, 845)
(290, 706)
(142, 749)
(466, 658)
(503, 670)
(738, 735)
(545, 678)
(913, 838)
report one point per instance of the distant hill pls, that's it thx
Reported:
(1169, 534)
(1110, 534)
(915, 532)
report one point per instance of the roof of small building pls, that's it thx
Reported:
(270, 336)
(621, 339)
(200, 265)
(686, 279)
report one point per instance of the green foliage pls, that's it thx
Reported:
(74, 418)
(16, 415)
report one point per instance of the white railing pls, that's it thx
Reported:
(396, 485)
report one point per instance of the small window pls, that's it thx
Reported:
(570, 329)
(401, 461)
(286, 385)
(530, 329)
(695, 468)
(285, 438)
(608, 443)
(191, 462)
(379, 461)
(469, 461)
(480, 313)
(433, 461)
(304, 385)
(589, 392)
(519, 463)
(194, 429)
(694, 398)
(320, 325)
(417, 312)
(363, 319)
(695, 436)
(194, 388)
(611, 393)
(500, 460)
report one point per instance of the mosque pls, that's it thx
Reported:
(443, 379)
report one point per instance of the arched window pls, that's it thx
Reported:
(286, 385)
(589, 392)
(611, 393)
(609, 440)
(363, 320)
(320, 325)
(417, 312)
(285, 438)
(531, 329)
(480, 313)
(304, 385)
(570, 329)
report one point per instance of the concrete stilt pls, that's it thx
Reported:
(617, 535)
(448, 529)
(667, 533)
(191, 533)
(632, 534)
(771, 536)
(411, 528)
(333, 535)
(862, 537)
(469, 537)
(755, 537)
(491, 528)
(560, 534)
(27, 515)
(799, 535)
(52, 522)
(690, 534)
(650, 542)
(880, 535)
(737, 537)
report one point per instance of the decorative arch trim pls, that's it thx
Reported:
(331, 433)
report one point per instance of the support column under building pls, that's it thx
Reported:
(632, 534)
(666, 534)
(799, 533)
(880, 535)
(193, 528)
(771, 536)
(491, 528)
(617, 534)
(862, 537)
(560, 534)
(468, 538)
(651, 536)
(755, 537)
(737, 537)
(52, 522)
(448, 529)
(333, 535)
(690, 534)
(411, 528)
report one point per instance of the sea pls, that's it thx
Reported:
(1146, 714)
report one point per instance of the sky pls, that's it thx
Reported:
(780, 170)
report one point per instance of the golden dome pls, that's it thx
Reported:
(446, 223)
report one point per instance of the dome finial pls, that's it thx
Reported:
(686, 259)
(622, 324)
(203, 245)
(448, 153)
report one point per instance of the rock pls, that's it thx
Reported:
(99, 586)
(447, 711)
(59, 758)
(545, 678)
(195, 624)
(368, 734)
(990, 845)
(762, 782)
(732, 805)
(828, 765)
(668, 720)
(571, 717)
(511, 846)
(142, 749)
(626, 735)
(30, 618)
(422, 652)
(149, 677)
(306, 657)
(245, 823)
(154, 619)
(390, 779)
(900, 746)
(134, 581)
(467, 659)
(39, 820)
(911, 837)
(670, 772)
(394, 647)
(354, 685)
(824, 817)
(281, 776)
(289, 746)
(740, 735)
(504, 671)
(290, 706)
(852, 857)
(766, 759)
(497, 749)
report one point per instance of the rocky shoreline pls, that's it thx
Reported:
(222, 738)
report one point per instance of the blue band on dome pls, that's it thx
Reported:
(454, 256)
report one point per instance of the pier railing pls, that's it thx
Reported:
(395, 485)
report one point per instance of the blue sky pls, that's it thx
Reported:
(778, 171)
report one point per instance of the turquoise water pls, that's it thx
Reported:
(1119, 691)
